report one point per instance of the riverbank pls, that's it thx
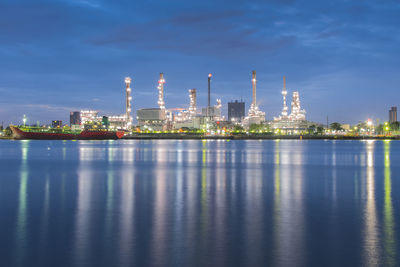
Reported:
(256, 137)
(245, 137)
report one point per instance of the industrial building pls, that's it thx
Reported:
(188, 118)
(74, 118)
(78, 119)
(236, 111)
(128, 117)
(210, 117)
(393, 114)
(255, 116)
(297, 118)
(213, 113)
(88, 116)
(153, 119)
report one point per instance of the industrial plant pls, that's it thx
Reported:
(194, 121)
(207, 119)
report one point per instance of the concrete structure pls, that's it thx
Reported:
(74, 118)
(393, 114)
(236, 111)
(152, 119)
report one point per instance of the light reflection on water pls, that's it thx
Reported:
(204, 203)
(389, 245)
(371, 239)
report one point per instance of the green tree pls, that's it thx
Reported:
(238, 128)
(255, 127)
(311, 129)
(395, 126)
(320, 130)
(379, 129)
(336, 126)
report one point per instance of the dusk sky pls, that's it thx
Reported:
(63, 55)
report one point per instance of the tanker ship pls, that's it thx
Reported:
(42, 133)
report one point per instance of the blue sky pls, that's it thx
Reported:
(62, 55)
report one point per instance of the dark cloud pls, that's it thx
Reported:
(214, 33)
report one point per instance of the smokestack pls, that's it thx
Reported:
(254, 82)
(128, 102)
(209, 89)
(284, 82)
(209, 94)
(160, 88)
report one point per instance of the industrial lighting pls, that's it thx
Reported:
(128, 103)
(160, 88)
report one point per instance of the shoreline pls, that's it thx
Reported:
(238, 137)
(257, 137)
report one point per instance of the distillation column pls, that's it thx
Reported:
(193, 100)
(284, 93)
(160, 88)
(254, 82)
(209, 95)
(128, 103)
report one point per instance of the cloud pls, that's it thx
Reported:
(207, 33)
(86, 3)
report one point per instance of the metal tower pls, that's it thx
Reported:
(254, 83)
(297, 113)
(254, 112)
(284, 93)
(128, 103)
(160, 88)
(209, 94)
(193, 100)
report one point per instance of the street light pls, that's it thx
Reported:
(24, 120)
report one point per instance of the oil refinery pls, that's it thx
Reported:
(207, 119)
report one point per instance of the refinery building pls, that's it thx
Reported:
(165, 119)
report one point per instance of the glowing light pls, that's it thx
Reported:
(128, 80)
(160, 88)
(128, 117)
(254, 112)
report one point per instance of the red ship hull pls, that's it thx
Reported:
(84, 135)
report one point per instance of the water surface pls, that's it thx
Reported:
(199, 203)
